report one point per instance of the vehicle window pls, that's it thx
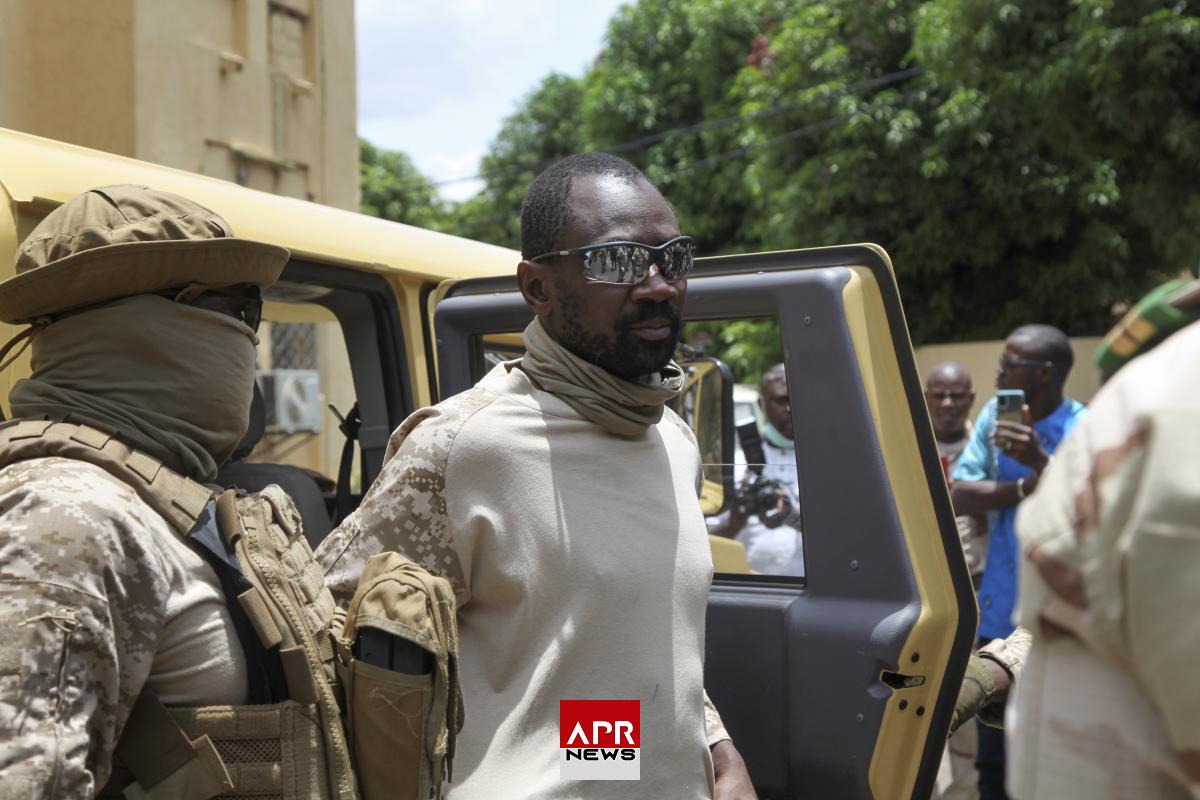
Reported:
(303, 368)
(764, 515)
(496, 348)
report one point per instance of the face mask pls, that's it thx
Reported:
(172, 380)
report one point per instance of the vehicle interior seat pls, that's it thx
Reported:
(254, 477)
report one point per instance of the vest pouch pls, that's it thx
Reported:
(398, 669)
(388, 715)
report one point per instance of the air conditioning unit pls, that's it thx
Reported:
(293, 400)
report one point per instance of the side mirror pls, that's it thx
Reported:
(706, 405)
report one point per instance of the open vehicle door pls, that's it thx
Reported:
(840, 683)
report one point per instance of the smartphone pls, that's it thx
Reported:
(1010, 404)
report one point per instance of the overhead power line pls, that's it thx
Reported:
(727, 155)
(711, 124)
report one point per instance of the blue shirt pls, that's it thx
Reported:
(981, 461)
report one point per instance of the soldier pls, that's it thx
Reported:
(1106, 705)
(117, 566)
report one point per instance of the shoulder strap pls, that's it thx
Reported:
(264, 672)
(177, 499)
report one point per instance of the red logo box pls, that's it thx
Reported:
(599, 739)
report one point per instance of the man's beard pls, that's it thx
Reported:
(625, 355)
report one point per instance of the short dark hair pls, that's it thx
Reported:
(1049, 343)
(545, 211)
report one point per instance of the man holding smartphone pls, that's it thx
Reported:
(1000, 467)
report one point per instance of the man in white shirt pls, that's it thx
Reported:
(767, 520)
(559, 496)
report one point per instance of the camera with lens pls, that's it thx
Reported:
(767, 499)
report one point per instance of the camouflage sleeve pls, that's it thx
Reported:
(1157, 557)
(1009, 653)
(405, 509)
(714, 729)
(80, 610)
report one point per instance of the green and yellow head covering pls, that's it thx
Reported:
(1153, 318)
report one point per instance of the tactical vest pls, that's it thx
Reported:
(292, 742)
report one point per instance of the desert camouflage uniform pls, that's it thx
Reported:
(98, 599)
(1108, 705)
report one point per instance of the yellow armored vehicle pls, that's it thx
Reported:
(836, 684)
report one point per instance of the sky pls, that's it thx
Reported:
(436, 78)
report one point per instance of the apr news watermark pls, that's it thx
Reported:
(600, 740)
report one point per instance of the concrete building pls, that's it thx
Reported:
(259, 92)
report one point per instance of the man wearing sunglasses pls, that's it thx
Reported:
(999, 468)
(559, 497)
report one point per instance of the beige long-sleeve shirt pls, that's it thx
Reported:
(581, 566)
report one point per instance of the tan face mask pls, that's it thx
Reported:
(166, 378)
(620, 406)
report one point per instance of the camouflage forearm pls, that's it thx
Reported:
(714, 729)
(977, 691)
(1010, 655)
(82, 599)
(57, 692)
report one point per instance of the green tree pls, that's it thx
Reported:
(1077, 135)
(747, 346)
(1015, 178)
(663, 77)
(544, 129)
(660, 96)
(393, 188)
(1020, 161)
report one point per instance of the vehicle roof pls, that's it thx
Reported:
(44, 172)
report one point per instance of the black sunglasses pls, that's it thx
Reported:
(1013, 363)
(957, 397)
(243, 301)
(629, 262)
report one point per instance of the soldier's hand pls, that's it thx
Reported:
(979, 688)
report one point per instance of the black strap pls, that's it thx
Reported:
(348, 425)
(264, 672)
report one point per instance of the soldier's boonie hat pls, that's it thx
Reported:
(118, 241)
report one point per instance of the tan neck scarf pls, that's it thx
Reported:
(620, 406)
(165, 378)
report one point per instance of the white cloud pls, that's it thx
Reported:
(436, 79)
